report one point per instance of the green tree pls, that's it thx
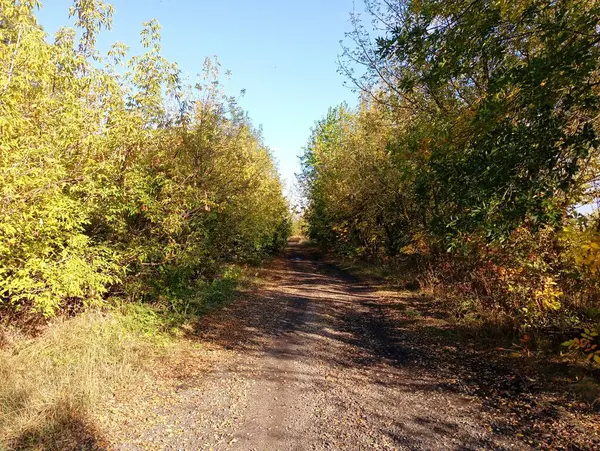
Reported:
(115, 173)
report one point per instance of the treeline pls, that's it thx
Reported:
(118, 177)
(473, 153)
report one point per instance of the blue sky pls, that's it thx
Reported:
(282, 52)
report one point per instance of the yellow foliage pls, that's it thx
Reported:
(105, 183)
(548, 296)
(585, 247)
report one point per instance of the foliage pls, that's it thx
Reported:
(473, 146)
(116, 174)
(586, 344)
(352, 183)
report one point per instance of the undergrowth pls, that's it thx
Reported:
(473, 313)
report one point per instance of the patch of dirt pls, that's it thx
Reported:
(314, 359)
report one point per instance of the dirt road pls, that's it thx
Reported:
(312, 360)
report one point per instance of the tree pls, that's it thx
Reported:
(115, 174)
(503, 98)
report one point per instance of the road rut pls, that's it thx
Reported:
(309, 360)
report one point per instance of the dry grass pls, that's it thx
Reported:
(52, 383)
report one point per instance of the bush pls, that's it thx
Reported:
(116, 176)
(474, 145)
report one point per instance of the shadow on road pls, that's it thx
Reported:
(381, 375)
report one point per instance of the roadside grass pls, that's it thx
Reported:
(52, 384)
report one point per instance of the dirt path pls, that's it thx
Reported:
(312, 360)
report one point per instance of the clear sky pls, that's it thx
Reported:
(282, 52)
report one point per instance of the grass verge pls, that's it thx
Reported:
(53, 383)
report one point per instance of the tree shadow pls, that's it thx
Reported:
(61, 428)
(378, 338)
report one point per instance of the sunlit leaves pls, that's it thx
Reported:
(475, 141)
(116, 175)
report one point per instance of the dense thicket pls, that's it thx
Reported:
(115, 175)
(475, 143)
